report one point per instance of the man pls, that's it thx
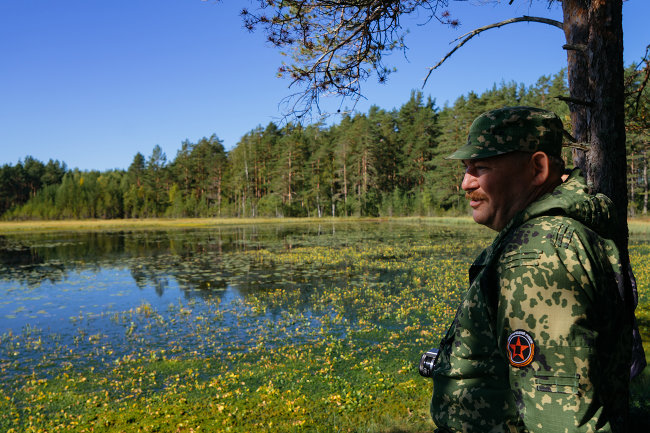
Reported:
(542, 340)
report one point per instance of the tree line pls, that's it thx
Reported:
(379, 163)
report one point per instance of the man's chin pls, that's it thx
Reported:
(478, 217)
(481, 219)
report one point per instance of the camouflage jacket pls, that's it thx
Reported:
(540, 341)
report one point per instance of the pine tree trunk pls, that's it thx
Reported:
(317, 174)
(645, 183)
(364, 161)
(631, 188)
(594, 36)
(345, 187)
(219, 197)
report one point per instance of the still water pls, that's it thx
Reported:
(83, 297)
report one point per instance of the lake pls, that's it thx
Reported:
(306, 312)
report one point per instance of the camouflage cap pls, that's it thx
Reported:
(512, 128)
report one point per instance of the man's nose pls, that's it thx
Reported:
(469, 182)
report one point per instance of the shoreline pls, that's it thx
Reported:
(636, 225)
(12, 227)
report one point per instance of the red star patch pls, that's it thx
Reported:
(520, 348)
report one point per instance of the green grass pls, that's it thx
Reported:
(7, 227)
(13, 227)
(639, 225)
(636, 225)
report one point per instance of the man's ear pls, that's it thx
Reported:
(540, 165)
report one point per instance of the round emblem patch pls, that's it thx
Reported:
(521, 348)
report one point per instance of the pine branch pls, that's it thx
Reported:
(470, 35)
(645, 80)
(575, 101)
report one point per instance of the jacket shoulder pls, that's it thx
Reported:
(559, 242)
(547, 233)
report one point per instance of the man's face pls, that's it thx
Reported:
(497, 187)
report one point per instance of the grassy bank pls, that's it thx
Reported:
(139, 224)
(639, 225)
(636, 226)
(7, 227)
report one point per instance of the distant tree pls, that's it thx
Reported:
(208, 165)
(417, 123)
(289, 171)
(387, 153)
(362, 163)
(181, 168)
(343, 149)
(21, 182)
(637, 123)
(8, 196)
(318, 170)
(240, 184)
(34, 171)
(53, 172)
(136, 169)
(110, 200)
(155, 182)
(544, 94)
(334, 46)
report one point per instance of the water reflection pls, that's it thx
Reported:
(33, 259)
(193, 257)
(50, 276)
(49, 280)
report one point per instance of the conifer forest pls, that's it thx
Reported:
(379, 163)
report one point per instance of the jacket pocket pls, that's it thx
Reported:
(557, 383)
(520, 258)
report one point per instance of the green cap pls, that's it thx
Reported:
(512, 128)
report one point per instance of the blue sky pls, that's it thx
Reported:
(92, 83)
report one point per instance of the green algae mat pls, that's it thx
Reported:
(279, 327)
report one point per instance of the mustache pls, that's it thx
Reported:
(475, 196)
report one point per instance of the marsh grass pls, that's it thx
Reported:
(636, 226)
(639, 225)
(9, 227)
(140, 224)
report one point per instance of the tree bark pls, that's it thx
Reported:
(345, 183)
(576, 31)
(596, 78)
(606, 161)
(631, 177)
(289, 178)
(645, 183)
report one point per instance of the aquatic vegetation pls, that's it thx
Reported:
(301, 329)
